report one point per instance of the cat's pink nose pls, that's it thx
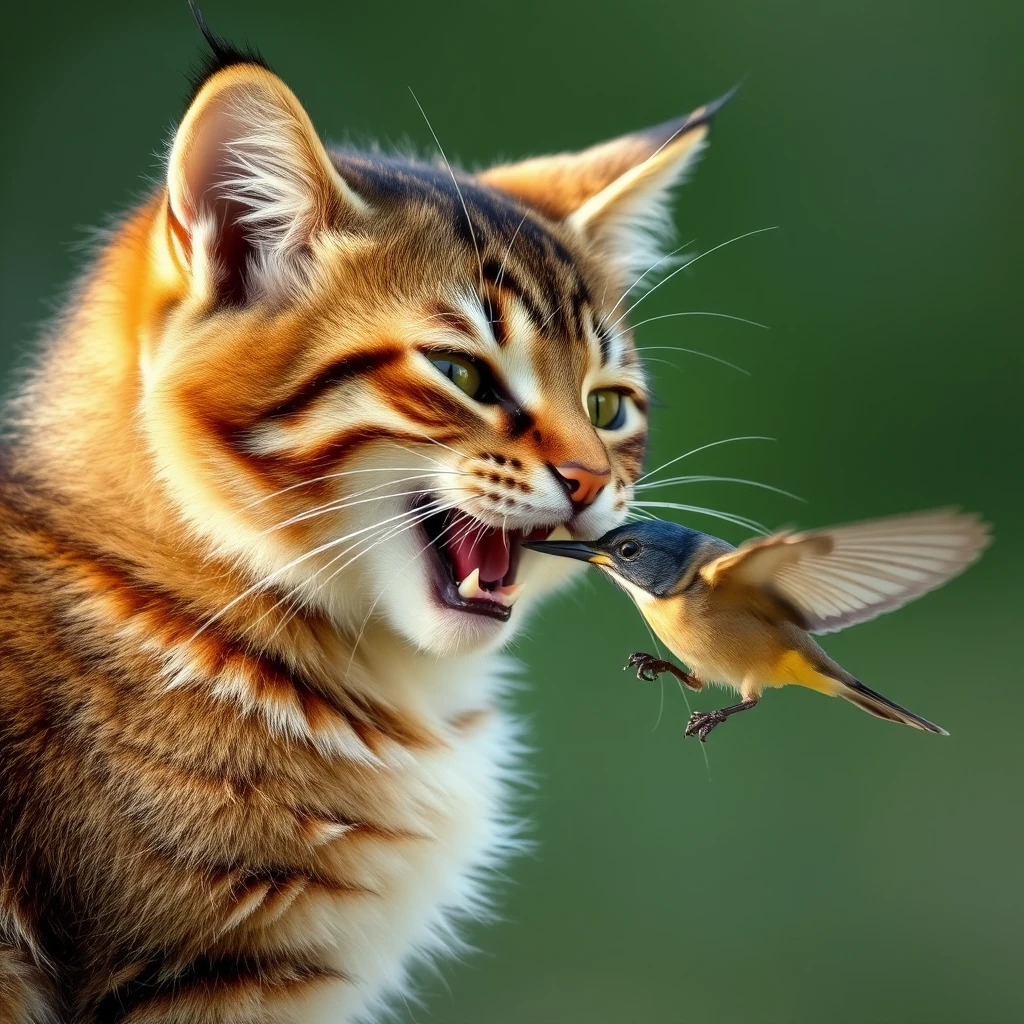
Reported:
(583, 484)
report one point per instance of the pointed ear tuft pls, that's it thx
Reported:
(250, 185)
(616, 194)
(222, 54)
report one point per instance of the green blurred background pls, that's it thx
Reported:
(832, 867)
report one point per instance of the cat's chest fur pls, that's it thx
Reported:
(436, 820)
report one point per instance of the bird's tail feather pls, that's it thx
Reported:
(875, 704)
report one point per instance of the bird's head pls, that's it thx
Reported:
(650, 559)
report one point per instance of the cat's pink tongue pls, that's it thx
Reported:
(475, 546)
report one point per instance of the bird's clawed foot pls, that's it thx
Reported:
(702, 722)
(648, 668)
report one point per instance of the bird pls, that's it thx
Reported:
(743, 616)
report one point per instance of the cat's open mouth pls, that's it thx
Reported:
(475, 563)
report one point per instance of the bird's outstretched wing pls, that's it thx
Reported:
(829, 579)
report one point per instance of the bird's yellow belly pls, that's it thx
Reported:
(717, 648)
(731, 646)
(750, 674)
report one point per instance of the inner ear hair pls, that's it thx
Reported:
(250, 185)
(616, 194)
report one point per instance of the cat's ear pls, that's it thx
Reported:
(250, 186)
(617, 193)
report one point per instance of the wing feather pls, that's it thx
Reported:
(839, 576)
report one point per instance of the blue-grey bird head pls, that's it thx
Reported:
(654, 556)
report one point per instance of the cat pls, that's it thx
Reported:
(261, 517)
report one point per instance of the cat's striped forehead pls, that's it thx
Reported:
(522, 268)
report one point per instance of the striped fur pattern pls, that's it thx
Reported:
(252, 762)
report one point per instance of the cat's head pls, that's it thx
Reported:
(370, 379)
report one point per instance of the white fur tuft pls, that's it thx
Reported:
(631, 220)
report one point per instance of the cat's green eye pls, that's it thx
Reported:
(461, 371)
(606, 408)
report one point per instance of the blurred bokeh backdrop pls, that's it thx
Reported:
(823, 865)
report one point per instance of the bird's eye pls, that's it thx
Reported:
(463, 372)
(629, 549)
(606, 408)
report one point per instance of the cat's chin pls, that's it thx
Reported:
(435, 627)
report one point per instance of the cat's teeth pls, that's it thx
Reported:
(469, 588)
(510, 594)
(559, 533)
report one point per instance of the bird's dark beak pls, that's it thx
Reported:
(578, 549)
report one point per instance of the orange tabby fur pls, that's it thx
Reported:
(239, 781)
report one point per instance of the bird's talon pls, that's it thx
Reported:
(702, 722)
(648, 667)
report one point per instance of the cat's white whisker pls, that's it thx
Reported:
(447, 447)
(335, 476)
(690, 263)
(342, 500)
(650, 270)
(304, 598)
(700, 312)
(380, 533)
(749, 524)
(289, 593)
(423, 514)
(366, 618)
(430, 458)
(694, 451)
(551, 316)
(508, 251)
(692, 352)
(265, 581)
(672, 481)
(342, 504)
(458, 189)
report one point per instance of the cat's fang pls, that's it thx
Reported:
(506, 596)
(470, 587)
